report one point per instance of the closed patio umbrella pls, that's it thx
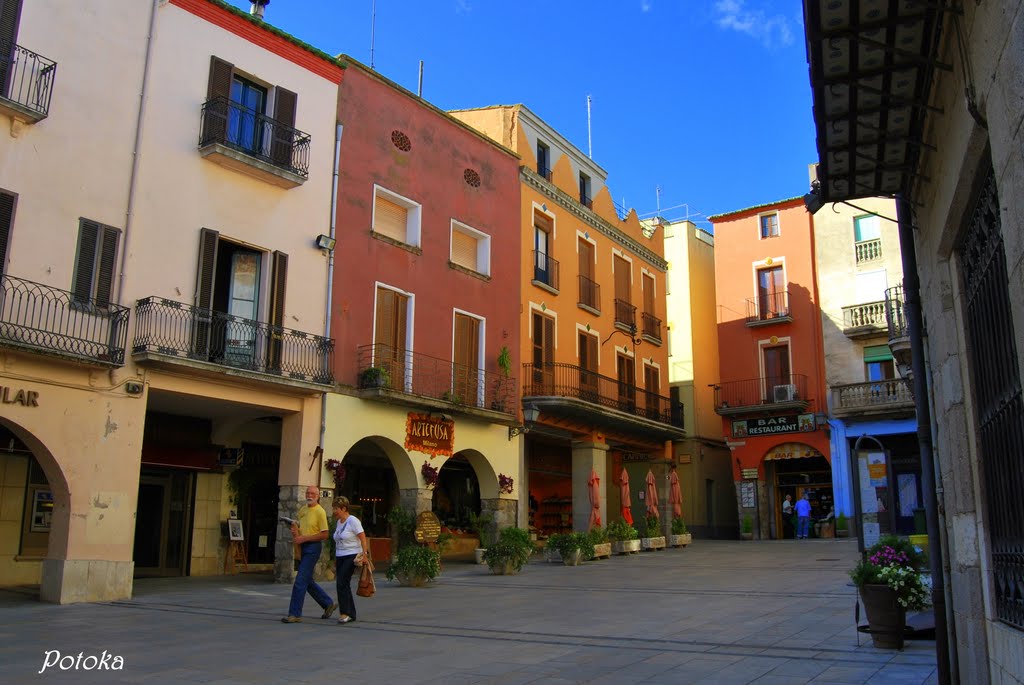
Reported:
(652, 496)
(624, 496)
(595, 500)
(675, 495)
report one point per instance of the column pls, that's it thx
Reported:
(587, 457)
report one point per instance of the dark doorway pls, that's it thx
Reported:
(164, 522)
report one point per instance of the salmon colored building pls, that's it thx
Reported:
(593, 343)
(425, 307)
(771, 390)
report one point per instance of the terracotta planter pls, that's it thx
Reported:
(626, 546)
(886, 618)
(681, 540)
(651, 544)
(478, 553)
(411, 579)
(602, 550)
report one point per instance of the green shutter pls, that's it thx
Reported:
(877, 353)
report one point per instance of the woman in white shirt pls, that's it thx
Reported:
(350, 547)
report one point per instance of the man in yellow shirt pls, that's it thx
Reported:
(309, 532)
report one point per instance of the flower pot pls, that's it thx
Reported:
(626, 546)
(478, 553)
(652, 544)
(503, 568)
(411, 579)
(602, 550)
(886, 618)
(681, 540)
(572, 558)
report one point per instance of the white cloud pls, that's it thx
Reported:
(770, 30)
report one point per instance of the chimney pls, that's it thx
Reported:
(257, 8)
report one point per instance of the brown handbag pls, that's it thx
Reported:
(367, 587)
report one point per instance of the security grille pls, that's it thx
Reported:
(999, 407)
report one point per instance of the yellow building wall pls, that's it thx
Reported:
(212, 507)
(13, 482)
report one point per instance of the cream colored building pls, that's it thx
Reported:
(164, 305)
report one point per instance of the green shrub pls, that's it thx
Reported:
(619, 531)
(748, 524)
(513, 547)
(679, 526)
(403, 527)
(598, 536)
(481, 525)
(374, 377)
(652, 526)
(415, 560)
(841, 522)
(567, 543)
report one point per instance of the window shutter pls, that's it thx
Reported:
(7, 204)
(390, 219)
(208, 240)
(464, 249)
(649, 295)
(85, 263)
(278, 279)
(215, 120)
(592, 352)
(106, 265)
(221, 73)
(284, 135)
(384, 331)
(622, 280)
(10, 12)
(549, 341)
(586, 251)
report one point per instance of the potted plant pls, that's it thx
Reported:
(572, 547)
(510, 553)
(842, 526)
(625, 539)
(747, 527)
(415, 565)
(374, 377)
(481, 525)
(653, 538)
(403, 528)
(680, 535)
(602, 545)
(889, 585)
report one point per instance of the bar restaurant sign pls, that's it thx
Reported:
(429, 434)
(773, 425)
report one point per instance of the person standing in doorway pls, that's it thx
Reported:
(351, 549)
(787, 517)
(803, 517)
(309, 532)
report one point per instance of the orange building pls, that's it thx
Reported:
(595, 377)
(771, 391)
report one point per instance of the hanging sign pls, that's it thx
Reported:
(773, 425)
(430, 435)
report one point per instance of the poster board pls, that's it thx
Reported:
(235, 532)
(873, 488)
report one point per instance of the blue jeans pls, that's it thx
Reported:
(802, 524)
(304, 581)
(345, 566)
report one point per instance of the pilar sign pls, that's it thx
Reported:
(26, 398)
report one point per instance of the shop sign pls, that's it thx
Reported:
(750, 474)
(26, 398)
(635, 456)
(428, 527)
(432, 435)
(748, 494)
(773, 425)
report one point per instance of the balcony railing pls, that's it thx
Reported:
(868, 250)
(411, 373)
(51, 321)
(174, 329)
(757, 392)
(544, 171)
(895, 315)
(869, 314)
(768, 307)
(26, 80)
(545, 269)
(229, 123)
(651, 326)
(568, 380)
(586, 201)
(887, 394)
(590, 293)
(625, 313)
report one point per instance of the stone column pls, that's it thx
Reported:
(505, 513)
(290, 498)
(299, 433)
(587, 456)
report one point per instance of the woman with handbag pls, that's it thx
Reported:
(350, 549)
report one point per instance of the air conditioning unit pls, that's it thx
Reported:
(784, 393)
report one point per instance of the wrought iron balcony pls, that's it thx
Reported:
(238, 135)
(545, 269)
(415, 375)
(868, 250)
(651, 326)
(26, 82)
(625, 314)
(788, 392)
(895, 316)
(864, 320)
(768, 308)
(47, 320)
(544, 172)
(168, 330)
(590, 293)
(571, 381)
(874, 397)
(586, 201)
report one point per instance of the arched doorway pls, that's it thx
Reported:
(371, 483)
(796, 469)
(457, 493)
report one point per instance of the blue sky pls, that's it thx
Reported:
(708, 99)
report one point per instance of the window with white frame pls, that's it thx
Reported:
(396, 217)
(769, 225)
(470, 248)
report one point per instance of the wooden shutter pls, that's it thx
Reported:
(649, 295)
(8, 201)
(390, 219)
(278, 283)
(10, 14)
(464, 249)
(390, 333)
(467, 358)
(85, 263)
(106, 265)
(208, 241)
(285, 103)
(586, 252)
(215, 120)
(623, 279)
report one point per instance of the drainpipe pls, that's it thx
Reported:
(133, 178)
(330, 271)
(931, 489)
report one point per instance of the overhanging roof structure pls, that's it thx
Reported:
(871, 67)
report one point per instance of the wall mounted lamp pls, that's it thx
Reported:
(530, 415)
(325, 242)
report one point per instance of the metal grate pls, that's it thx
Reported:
(999, 409)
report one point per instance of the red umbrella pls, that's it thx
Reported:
(626, 501)
(675, 495)
(652, 496)
(595, 499)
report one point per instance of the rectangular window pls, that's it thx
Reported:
(652, 388)
(866, 228)
(588, 366)
(878, 363)
(466, 377)
(776, 372)
(93, 280)
(8, 203)
(543, 354)
(625, 312)
(396, 217)
(589, 289)
(585, 198)
(543, 160)
(649, 294)
(390, 335)
(625, 369)
(471, 248)
(545, 268)
(769, 225)
(771, 293)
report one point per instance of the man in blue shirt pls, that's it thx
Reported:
(803, 517)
